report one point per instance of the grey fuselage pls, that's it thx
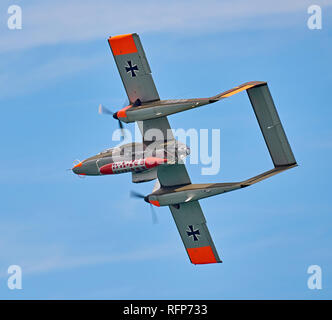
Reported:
(130, 156)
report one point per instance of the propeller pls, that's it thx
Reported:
(103, 110)
(138, 195)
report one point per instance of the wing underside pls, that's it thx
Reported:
(191, 224)
(133, 67)
(155, 129)
(189, 218)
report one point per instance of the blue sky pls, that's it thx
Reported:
(86, 238)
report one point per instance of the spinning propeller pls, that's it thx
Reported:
(138, 195)
(103, 110)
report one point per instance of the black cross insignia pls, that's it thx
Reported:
(193, 233)
(131, 68)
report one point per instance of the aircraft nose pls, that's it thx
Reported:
(77, 167)
(75, 170)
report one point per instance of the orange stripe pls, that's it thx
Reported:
(77, 165)
(201, 255)
(155, 203)
(234, 91)
(123, 44)
(122, 113)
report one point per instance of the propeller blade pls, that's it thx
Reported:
(154, 215)
(138, 195)
(104, 110)
(135, 194)
(122, 129)
(120, 125)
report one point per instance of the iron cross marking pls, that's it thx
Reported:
(131, 68)
(193, 233)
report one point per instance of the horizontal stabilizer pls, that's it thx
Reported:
(271, 127)
(133, 67)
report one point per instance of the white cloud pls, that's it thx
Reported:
(49, 23)
(63, 22)
(18, 80)
(59, 260)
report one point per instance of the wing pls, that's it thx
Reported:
(191, 224)
(144, 176)
(271, 127)
(155, 129)
(133, 67)
(173, 175)
(189, 218)
(136, 77)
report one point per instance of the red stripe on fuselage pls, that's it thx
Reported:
(131, 166)
(153, 162)
(106, 169)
